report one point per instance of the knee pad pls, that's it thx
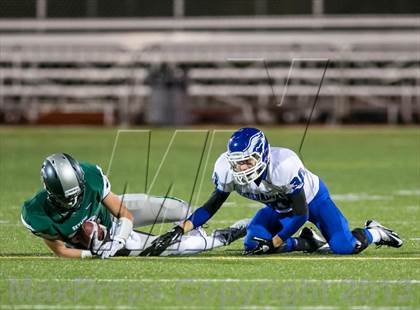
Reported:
(361, 238)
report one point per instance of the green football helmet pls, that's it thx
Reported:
(63, 179)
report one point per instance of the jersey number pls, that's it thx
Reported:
(297, 182)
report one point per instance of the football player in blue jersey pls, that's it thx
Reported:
(292, 195)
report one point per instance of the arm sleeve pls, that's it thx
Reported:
(204, 213)
(300, 215)
(299, 204)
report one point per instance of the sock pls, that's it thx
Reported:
(369, 236)
(289, 247)
(373, 235)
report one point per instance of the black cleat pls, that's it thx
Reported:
(388, 236)
(232, 233)
(314, 242)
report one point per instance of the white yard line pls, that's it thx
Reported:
(359, 197)
(257, 307)
(62, 307)
(414, 192)
(224, 280)
(41, 307)
(185, 307)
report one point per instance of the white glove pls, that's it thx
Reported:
(95, 243)
(110, 248)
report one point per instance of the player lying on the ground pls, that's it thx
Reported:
(292, 195)
(93, 235)
(74, 193)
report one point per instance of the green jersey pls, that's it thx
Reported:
(45, 221)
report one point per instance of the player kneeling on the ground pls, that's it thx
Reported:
(78, 192)
(291, 194)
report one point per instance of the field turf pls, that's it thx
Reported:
(371, 173)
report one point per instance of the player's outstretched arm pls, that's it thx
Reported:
(206, 212)
(59, 249)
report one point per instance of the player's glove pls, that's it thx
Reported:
(264, 247)
(95, 243)
(161, 243)
(110, 248)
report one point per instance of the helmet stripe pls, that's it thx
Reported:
(66, 174)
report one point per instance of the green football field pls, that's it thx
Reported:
(371, 173)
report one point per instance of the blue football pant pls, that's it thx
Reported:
(322, 212)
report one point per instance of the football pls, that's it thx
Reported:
(86, 232)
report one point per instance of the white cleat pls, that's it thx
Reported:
(388, 236)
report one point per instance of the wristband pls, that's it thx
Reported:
(125, 227)
(86, 254)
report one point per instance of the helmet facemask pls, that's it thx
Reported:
(72, 201)
(243, 177)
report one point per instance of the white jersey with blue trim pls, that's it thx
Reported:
(285, 175)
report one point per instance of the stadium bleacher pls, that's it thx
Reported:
(246, 65)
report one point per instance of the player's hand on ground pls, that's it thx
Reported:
(110, 248)
(161, 243)
(264, 247)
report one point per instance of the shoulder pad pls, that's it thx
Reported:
(222, 177)
(287, 171)
(95, 179)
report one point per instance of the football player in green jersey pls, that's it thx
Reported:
(77, 192)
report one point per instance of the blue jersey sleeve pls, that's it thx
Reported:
(204, 213)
